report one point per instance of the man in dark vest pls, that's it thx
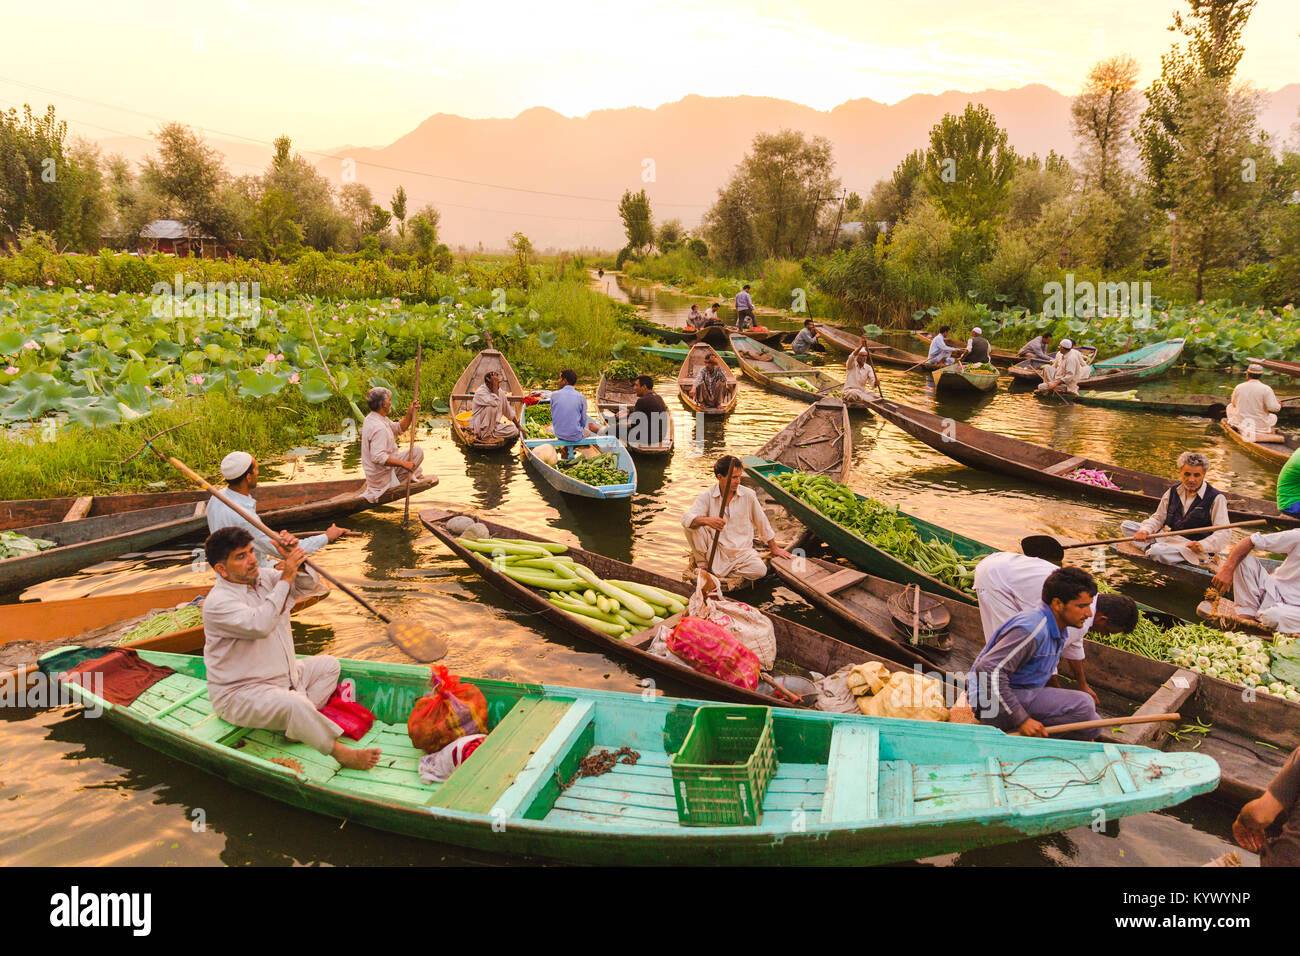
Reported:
(1192, 503)
(977, 349)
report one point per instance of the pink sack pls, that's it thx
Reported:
(713, 650)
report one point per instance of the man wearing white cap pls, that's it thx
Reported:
(239, 468)
(977, 348)
(1067, 370)
(1253, 407)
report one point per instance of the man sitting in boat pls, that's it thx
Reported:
(859, 377)
(1008, 685)
(569, 418)
(239, 468)
(694, 318)
(1066, 371)
(940, 351)
(1288, 486)
(254, 679)
(1035, 350)
(1008, 584)
(738, 525)
(978, 349)
(806, 338)
(1272, 599)
(1193, 503)
(1254, 407)
(489, 406)
(711, 316)
(647, 422)
(380, 457)
(709, 390)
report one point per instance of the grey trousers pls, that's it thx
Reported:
(1051, 706)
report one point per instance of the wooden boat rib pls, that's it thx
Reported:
(1027, 372)
(613, 394)
(1136, 366)
(846, 790)
(86, 541)
(1285, 368)
(1003, 358)
(565, 484)
(774, 370)
(959, 378)
(686, 379)
(462, 397)
(1046, 466)
(678, 355)
(1127, 683)
(1275, 453)
(861, 552)
(799, 650)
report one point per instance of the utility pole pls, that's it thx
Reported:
(838, 218)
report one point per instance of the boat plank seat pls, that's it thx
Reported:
(1061, 467)
(1167, 699)
(536, 727)
(834, 583)
(80, 508)
(852, 775)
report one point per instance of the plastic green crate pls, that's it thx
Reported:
(721, 772)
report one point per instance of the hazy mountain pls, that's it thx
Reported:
(567, 174)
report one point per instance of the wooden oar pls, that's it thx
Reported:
(1108, 722)
(416, 640)
(415, 425)
(717, 532)
(1041, 541)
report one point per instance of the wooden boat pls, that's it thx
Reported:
(82, 542)
(562, 482)
(678, 354)
(714, 335)
(1284, 368)
(613, 394)
(1026, 372)
(1002, 358)
(860, 551)
(799, 650)
(1136, 366)
(1201, 406)
(1272, 449)
(1184, 571)
(1126, 683)
(844, 342)
(961, 378)
(772, 338)
(686, 378)
(1046, 466)
(776, 370)
(846, 789)
(462, 396)
(662, 332)
(1223, 613)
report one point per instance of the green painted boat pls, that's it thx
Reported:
(777, 371)
(963, 378)
(860, 551)
(1146, 362)
(1200, 406)
(846, 790)
(679, 353)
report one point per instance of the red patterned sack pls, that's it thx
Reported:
(712, 649)
(450, 711)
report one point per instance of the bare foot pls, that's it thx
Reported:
(354, 759)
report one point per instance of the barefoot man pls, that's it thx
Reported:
(254, 679)
(380, 455)
(740, 523)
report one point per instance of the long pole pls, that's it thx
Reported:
(415, 425)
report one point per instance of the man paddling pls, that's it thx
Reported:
(239, 468)
(1009, 684)
(489, 407)
(806, 338)
(254, 679)
(1272, 599)
(1035, 350)
(1193, 503)
(381, 459)
(1008, 584)
(859, 376)
(740, 522)
(1254, 406)
(941, 353)
(1066, 371)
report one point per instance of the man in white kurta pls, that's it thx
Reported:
(1272, 599)
(859, 378)
(487, 409)
(381, 458)
(743, 521)
(1254, 407)
(254, 678)
(1191, 492)
(1067, 370)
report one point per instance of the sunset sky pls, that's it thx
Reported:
(335, 72)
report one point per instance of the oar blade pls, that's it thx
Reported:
(1042, 546)
(417, 641)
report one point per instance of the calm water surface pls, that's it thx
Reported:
(75, 791)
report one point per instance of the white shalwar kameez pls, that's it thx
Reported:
(1175, 548)
(858, 379)
(379, 443)
(254, 679)
(1065, 373)
(1272, 599)
(1007, 584)
(736, 552)
(1252, 409)
(488, 411)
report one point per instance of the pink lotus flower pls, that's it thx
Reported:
(397, 302)
(293, 379)
(49, 282)
(196, 340)
(30, 344)
(90, 288)
(196, 379)
(78, 282)
(12, 370)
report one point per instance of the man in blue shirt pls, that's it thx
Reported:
(569, 418)
(744, 309)
(1009, 684)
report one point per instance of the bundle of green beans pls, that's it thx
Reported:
(613, 607)
(164, 622)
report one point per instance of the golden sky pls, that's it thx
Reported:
(364, 72)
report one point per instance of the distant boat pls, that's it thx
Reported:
(1136, 366)
(462, 399)
(779, 371)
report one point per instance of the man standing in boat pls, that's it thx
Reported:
(806, 338)
(380, 457)
(737, 522)
(239, 468)
(744, 309)
(1254, 406)
(647, 422)
(490, 405)
(254, 678)
(941, 353)
(709, 390)
(1067, 370)
(569, 418)
(1035, 350)
(1272, 599)
(1009, 683)
(1193, 503)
